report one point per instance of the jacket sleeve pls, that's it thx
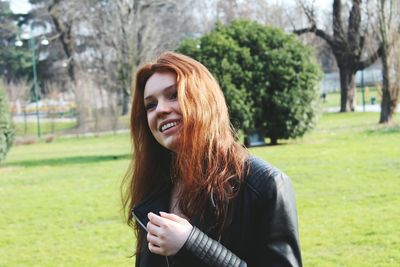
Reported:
(209, 251)
(277, 225)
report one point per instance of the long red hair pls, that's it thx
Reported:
(208, 159)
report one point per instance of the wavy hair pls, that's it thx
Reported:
(208, 161)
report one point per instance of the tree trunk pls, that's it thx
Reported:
(386, 104)
(348, 46)
(388, 29)
(384, 116)
(125, 101)
(347, 89)
(274, 140)
(386, 112)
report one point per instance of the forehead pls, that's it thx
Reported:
(158, 82)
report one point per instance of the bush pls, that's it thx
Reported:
(269, 78)
(6, 129)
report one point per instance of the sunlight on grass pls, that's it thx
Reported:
(60, 202)
(347, 183)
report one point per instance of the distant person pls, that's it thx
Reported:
(323, 96)
(199, 198)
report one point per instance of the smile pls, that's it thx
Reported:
(168, 125)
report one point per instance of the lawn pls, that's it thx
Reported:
(60, 202)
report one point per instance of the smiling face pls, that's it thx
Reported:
(162, 107)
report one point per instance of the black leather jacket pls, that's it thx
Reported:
(263, 230)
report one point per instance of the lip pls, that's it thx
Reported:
(166, 122)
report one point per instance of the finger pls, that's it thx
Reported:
(155, 219)
(153, 239)
(153, 229)
(172, 217)
(155, 249)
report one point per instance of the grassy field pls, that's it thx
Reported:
(60, 202)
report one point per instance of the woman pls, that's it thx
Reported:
(207, 202)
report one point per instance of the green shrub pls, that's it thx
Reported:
(6, 129)
(269, 78)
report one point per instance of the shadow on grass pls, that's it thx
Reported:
(385, 129)
(68, 160)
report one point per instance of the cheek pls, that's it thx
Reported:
(151, 122)
(177, 107)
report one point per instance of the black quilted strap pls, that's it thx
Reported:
(211, 252)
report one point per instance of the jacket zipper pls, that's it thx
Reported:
(166, 259)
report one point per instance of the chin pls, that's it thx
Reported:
(169, 143)
(172, 146)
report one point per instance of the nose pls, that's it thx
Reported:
(163, 107)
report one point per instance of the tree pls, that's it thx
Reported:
(269, 78)
(389, 35)
(263, 11)
(348, 45)
(6, 129)
(120, 35)
(222, 56)
(82, 55)
(14, 62)
(19, 94)
(64, 17)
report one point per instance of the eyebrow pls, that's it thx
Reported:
(164, 89)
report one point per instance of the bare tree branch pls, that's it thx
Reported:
(337, 24)
(353, 33)
(318, 32)
(371, 59)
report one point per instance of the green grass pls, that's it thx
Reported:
(346, 175)
(60, 202)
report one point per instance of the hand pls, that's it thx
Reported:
(167, 233)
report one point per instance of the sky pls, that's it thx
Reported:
(320, 4)
(23, 6)
(19, 6)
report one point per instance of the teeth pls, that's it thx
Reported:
(168, 125)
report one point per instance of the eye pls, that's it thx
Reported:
(173, 96)
(150, 106)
